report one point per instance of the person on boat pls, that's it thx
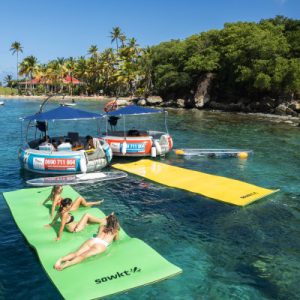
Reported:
(54, 143)
(113, 121)
(107, 233)
(45, 144)
(56, 198)
(45, 140)
(92, 143)
(68, 220)
(89, 140)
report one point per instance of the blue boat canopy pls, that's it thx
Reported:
(134, 110)
(63, 113)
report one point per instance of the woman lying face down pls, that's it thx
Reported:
(107, 233)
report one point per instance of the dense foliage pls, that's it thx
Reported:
(248, 60)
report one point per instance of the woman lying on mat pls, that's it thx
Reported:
(56, 199)
(108, 232)
(68, 221)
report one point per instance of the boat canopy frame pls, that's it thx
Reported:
(61, 113)
(135, 110)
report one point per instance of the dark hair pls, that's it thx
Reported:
(65, 202)
(112, 224)
(88, 137)
(55, 189)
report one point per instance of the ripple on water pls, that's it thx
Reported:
(226, 252)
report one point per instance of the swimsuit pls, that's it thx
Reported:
(100, 241)
(71, 219)
(59, 202)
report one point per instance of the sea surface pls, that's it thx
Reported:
(225, 251)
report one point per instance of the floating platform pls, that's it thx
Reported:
(216, 187)
(76, 179)
(214, 153)
(126, 264)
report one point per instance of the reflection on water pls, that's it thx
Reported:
(226, 252)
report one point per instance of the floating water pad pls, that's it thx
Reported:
(216, 187)
(128, 263)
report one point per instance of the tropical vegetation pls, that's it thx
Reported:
(17, 48)
(247, 59)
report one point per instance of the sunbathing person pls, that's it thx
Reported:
(108, 232)
(67, 219)
(56, 198)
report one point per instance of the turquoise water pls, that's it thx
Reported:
(226, 252)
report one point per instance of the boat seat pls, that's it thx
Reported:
(46, 147)
(133, 132)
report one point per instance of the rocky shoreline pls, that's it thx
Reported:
(279, 115)
(288, 113)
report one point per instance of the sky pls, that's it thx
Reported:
(49, 29)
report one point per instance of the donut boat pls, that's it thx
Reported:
(63, 154)
(135, 142)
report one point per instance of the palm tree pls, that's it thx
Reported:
(70, 68)
(8, 79)
(61, 70)
(28, 66)
(16, 48)
(133, 43)
(146, 67)
(93, 51)
(123, 39)
(116, 35)
(81, 71)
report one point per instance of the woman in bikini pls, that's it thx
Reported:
(56, 198)
(67, 219)
(108, 232)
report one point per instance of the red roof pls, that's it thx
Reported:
(71, 79)
(33, 81)
(67, 79)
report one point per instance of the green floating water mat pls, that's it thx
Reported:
(126, 264)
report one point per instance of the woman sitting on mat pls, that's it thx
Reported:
(56, 199)
(68, 221)
(108, 232)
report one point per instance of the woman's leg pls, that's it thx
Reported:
(87, 218)
(83, 248)
(91, 252)
(81, 201)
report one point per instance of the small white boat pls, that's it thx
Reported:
(2, 102)
(76, 179)
(215, 153)
(69, 104)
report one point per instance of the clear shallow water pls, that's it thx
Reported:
(226, 252)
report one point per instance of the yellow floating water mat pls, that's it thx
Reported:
(219, 188)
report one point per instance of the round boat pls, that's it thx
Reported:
(46, 159)
(139, 143)
(135, 142)
(62, 154)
